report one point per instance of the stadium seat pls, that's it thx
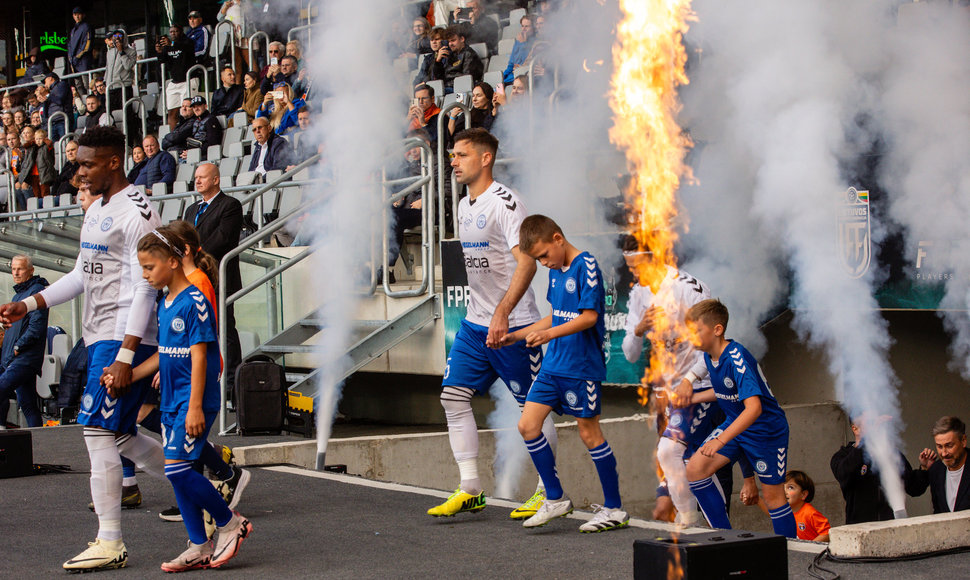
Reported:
(509, 32)
(493, 78)
(273, 175)
(248, 136)
(464, 84)
(302, 175)
(140, 47)
(246, 160)
(150, 102)
(48, 201)
(139, 188)
(234, 150)
(506, 46)
(222, 120)
(439, 88)
(246, 178)
(289, 200)
(498, 63)
(193, 156)
(163, 130)
(480, 48)
(152, 88)
(50, 374)
(59, 65)
(33, 203)
(181, 187)
(449, 99)
(227, 180)
(61, 346)
(185, 172)
(171, 211)
(228, 166)
(240, 119)
(159, 188)
(214, 153)
(516, 15)
(65, 199)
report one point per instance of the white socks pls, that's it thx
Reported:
(463, 435)
(144, 452)
(670, 455)
(105, 481)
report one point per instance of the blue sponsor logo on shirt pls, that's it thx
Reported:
(99, 248)
(482, 245)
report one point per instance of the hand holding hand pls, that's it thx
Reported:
(538, 338)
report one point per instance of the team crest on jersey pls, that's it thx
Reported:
(676, 420)
(87, 401)
(481, 221)
(570, 285)
(571, 398)
(855, 239)
(106, 224)
(178, 325)
(801, 526)
(761, 466)
(515, 387)
(728, 382)
(864, 469)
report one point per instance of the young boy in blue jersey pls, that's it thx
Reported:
(573, 367)
(755, 425)
(188, 365)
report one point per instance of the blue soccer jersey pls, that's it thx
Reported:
(736, 376)
(186, 321)
(580, 287)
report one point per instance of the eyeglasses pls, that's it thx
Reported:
(274, 51)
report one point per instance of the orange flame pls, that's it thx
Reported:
(649, 59)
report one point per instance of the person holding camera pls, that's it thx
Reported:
(178, 55)
(280, 108)
(119, 76)
(481, 28)
(459, 60)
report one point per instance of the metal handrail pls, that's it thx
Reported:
(205, 79)
(50, 122)
(137, 90)
(252, 37)
(441, 166)
(309, 11)
(309, 37)
(427, 211)
(60, 149)
(232, 44)
(142, 112)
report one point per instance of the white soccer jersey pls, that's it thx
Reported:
(489, 229)
(108, 273)
(678, 292)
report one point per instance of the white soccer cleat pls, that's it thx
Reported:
(196, 557)
(549, 510)
(605, 519)
(231, 536)
(100, 555)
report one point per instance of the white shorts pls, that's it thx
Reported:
(175, 93)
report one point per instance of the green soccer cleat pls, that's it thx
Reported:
(529, 508)
(459, 502)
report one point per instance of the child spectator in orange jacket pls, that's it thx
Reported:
(800, 491)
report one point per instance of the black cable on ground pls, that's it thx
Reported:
(46, 468)
(815, 569)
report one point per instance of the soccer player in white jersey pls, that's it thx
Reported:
(499, 275)
(119, 330)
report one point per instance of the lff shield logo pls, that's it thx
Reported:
(855, 239)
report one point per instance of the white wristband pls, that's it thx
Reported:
(690, 377)
(125, 355)
(31, 303)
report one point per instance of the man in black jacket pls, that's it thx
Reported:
(202, 131)
(461, 60)
(178, 55)
(218, 219)
(865, 500)
(24, 344)
(270, 151)
(227, 98)
(949, 483)
(60, 100)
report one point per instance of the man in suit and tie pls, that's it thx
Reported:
(218, 219)
(948, 481)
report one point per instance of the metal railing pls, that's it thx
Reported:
(50, 123)
(252, 57)
(205, 79)
(142, 112)
(59, 149)
(232, 44)
(296, 30)
(441, 165)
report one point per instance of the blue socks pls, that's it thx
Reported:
(194, 493)
(605, 463)
(545, 462)
(783, 521)
(213, 460)
(127, 467)
(711, 500)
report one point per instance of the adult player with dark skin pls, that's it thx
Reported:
(118, 313)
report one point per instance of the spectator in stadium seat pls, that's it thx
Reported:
(280, 108)
(36, 66)
(483, 110)
(436, 40)
(61, 100)
(519, 88)
(218, 219)
(46, 172)
(37, 119)
(270, 151)
(24, 345)
(420, 40)
(303, 142)
(99, 88)
(295, 49)
(4, 170)
(138, 160)
(80, 43)
(286, 72)
(252, 95)
(178, 55)
(227, 98)
(95, 114)
(159, 166)
(276, 51)
(77, 106)
(201, 131)
(423, 114)
(521, 49)
(460, 60)
(32, 103)
(200, 37)
(20, 119)
(16, 155)
(6, 118)
(63, 182)
(481, 27)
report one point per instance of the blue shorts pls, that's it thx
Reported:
(98, 408)
(768, 457)
(176, 442)
(472, 364)
(576, 397)
(690, 425)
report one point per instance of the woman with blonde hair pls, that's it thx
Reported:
(280, 108)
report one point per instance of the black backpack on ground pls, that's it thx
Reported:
(260, 396)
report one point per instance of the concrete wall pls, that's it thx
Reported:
(425, 460)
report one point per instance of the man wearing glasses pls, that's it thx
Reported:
(272, 68)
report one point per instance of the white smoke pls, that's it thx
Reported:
(361, 119)
(511, 456)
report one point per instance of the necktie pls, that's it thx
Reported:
(200, 211)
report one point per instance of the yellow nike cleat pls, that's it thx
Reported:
(459, 502)
(529, 508)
